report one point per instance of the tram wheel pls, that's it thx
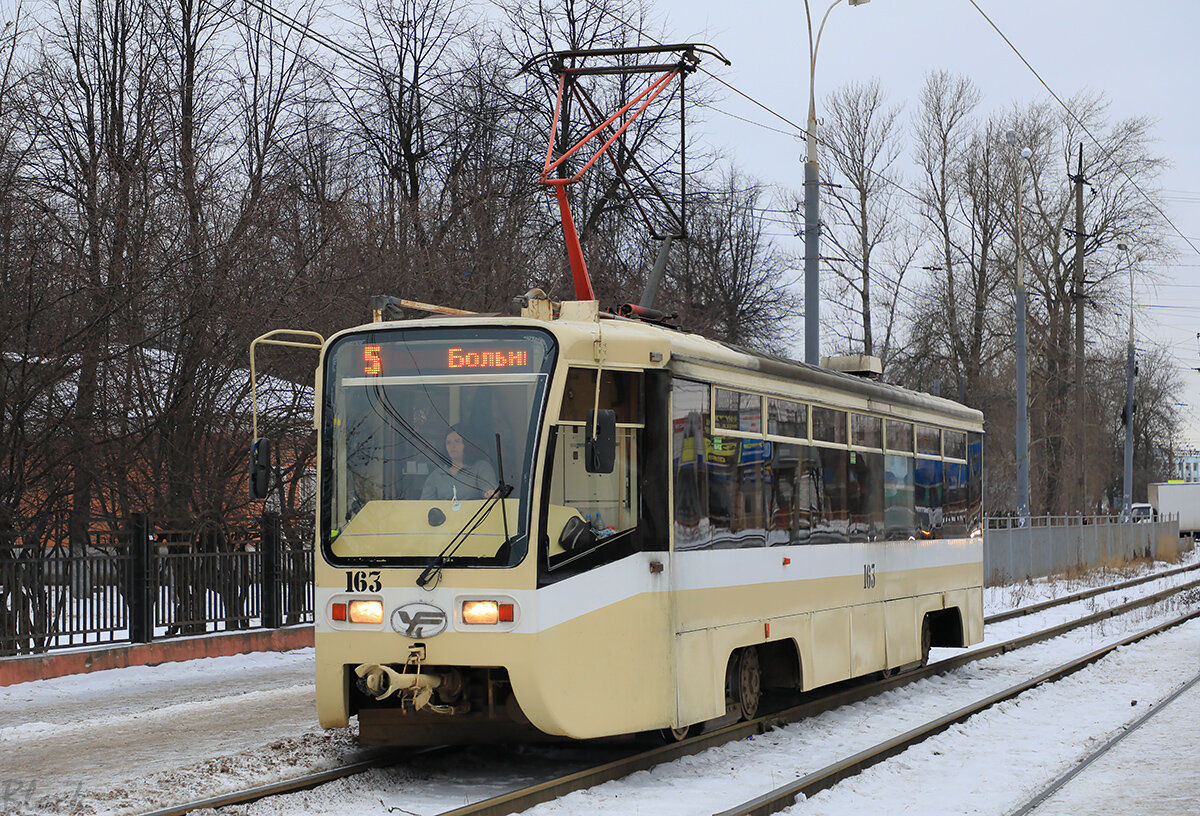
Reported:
(926, 641)
(743, 682)
(673, 735)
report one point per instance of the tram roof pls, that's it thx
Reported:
(577, 338)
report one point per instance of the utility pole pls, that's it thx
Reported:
(1080, 405)
(812, 199)
(1130, 367)
(1022, 436)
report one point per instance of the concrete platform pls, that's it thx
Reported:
(23, 669)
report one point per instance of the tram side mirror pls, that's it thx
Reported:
(260, 468)
(601, 445)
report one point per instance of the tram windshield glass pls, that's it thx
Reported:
(428, 438)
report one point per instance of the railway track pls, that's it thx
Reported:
(299, 783)
(841, 695)
(1051, 789)
(785, 796)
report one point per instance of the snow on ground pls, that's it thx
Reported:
(1168, 741)
(1000, 758)
(129, 740)
(90, 737)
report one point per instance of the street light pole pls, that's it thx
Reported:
(1022, 399)
(812, 200)
(1127, 486)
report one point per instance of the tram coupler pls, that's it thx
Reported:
(413, 688)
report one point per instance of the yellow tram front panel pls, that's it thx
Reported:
(584, 656)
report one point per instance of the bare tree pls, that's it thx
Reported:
(863, 145)
(731, 282)
(1116, 210)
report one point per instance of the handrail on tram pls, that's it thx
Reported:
(267, 340)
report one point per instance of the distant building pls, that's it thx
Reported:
(1187, 465)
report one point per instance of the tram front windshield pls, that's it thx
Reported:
(428, 440)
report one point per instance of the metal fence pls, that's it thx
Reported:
(138, 584)
(1048, 545)
(135, 585)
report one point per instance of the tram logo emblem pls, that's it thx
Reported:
(419, 620)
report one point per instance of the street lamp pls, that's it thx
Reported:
(1127, 486)
(812, 200)
(1022, 399)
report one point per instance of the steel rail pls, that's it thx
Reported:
(1061, 781)
(1087, 593)
(299, 783)
(786, 795)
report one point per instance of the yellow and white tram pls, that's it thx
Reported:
(574, 525)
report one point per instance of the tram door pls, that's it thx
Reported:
(697, 697)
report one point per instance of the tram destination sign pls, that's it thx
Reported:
(455, 356)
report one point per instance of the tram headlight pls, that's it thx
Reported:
(365, 612)
(486, 612)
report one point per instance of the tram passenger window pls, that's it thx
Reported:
(928, 500)
(956, 444)
(974, 481)
(831, 521)
(864, 496)
(787, 418)
(785, 485)
(689, 464)
(866, 431)
(929, 441)
(737, 411)
(954, 510)
(721, 457)
(750, 486)
(899, 514)
(723, 484)
(828, 425)
(899, 436)
(798, 502)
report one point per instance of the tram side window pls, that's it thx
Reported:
(899, 436)
(723, 484)
(974, 481)
(955, 509)
(956, 444)
(586, 510)
(831, 521)
(787, 418)
(867, 431)
(737, 411)
(899, 485)
(689, 465)
(864, 496)
(929, 441)
(928, 488)
(828, 425)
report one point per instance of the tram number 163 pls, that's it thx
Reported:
(362, 581)
(868, 576)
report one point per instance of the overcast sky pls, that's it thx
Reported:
(1141, 54)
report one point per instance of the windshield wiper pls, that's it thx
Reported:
(501, 493)
(503, 511)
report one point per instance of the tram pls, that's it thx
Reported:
(569, 524)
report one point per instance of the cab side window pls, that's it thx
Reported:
(590, 511)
